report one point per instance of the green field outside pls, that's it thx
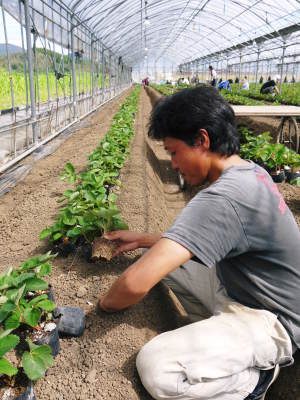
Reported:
(20, 87)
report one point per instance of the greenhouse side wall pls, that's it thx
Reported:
(60, 73)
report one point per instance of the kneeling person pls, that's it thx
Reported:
(231, 257)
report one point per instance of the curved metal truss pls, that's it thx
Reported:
(85, 51)
(181, 31)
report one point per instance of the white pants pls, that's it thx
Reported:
(218, 357)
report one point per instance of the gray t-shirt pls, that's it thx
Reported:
(242, 224)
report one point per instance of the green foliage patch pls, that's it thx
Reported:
(88, 209)
(22, 307)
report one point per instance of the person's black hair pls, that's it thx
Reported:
(182, 115)
(230, 81)
(210, 67)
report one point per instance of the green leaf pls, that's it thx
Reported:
(105, 145)
(57, 236)
(32, 316)
(29, 264)
(34, 284)
(117, 224)
(37, 299)
(13, 321)
(74, 232)
(69, 168)
(46, 257)
(69, 220)
(8, 343)
(112, 198)
(45, 233)
(46, 305)
(6, 309)
(5, 333)
(6, 368)
(37, 361)
(23, 277)
(3, 299)
(17, 296)
(45, 269)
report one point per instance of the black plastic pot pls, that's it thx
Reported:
(50, 294)
(64, 249)
(278, 178)
(70, 320)
(52, 339)
(86, 251)
(292, 175)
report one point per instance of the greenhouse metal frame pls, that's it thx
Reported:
(78, 54)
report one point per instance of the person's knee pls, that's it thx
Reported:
(150, 364)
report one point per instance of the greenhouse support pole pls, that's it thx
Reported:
(103, 74)
(24, 57)
(240, 66)
(92, 67)
(30, 72)
(73, 68)
(226, 68)
(256, 70)
(281, 66)
(8, 61)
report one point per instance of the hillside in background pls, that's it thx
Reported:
(17, 62)
(12, 49)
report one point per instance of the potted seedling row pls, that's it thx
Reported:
(282, 163)
(89, 209)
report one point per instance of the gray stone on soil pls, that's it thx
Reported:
(71, 320)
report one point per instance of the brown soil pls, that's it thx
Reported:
(101, 364)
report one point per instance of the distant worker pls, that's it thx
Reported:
(213, 75)
(245, 83)
(261, 79)
(225, 85)
(270, 87)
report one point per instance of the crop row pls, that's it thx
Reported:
(289, 96)
(90, 208)
(26, 307)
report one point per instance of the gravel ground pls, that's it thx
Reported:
(101, 364)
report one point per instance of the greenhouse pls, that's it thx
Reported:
(150, 199)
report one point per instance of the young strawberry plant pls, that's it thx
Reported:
(90, 208)
(24, 306)
(273, 156)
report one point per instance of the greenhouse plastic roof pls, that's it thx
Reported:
(185, 29)
(172, 31)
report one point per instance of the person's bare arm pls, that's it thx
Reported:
(128, 240)
(165, 256)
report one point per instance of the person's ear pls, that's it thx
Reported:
(203, 140)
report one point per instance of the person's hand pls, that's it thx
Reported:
(125, 240)
(128, 240)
